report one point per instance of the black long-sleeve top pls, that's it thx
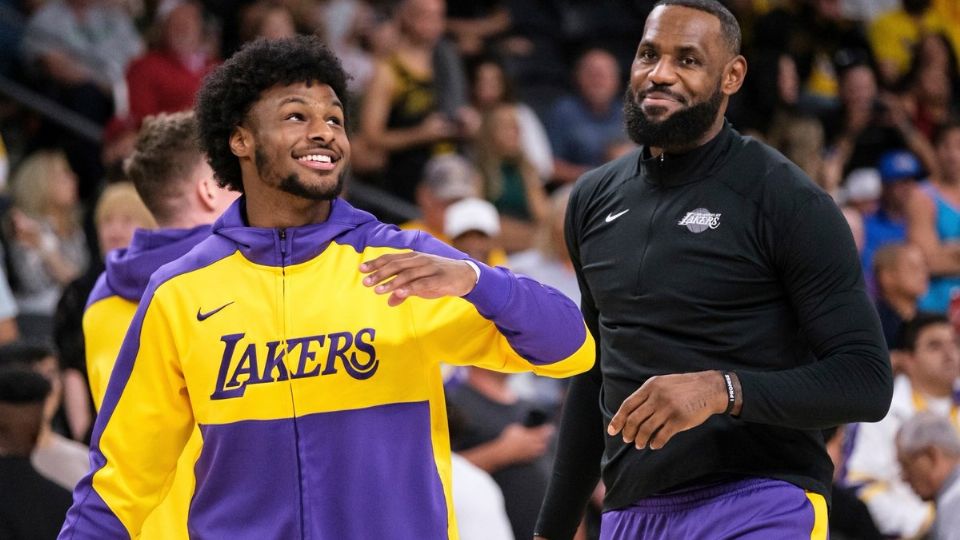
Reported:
(726, 257)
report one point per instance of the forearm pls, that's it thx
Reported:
(576, 469)
(541, 324)
(487, 456)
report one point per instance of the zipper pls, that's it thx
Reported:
(282, 236)
(646, 240)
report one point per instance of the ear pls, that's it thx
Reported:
(206, 193)
(733, 74)
(241, 142)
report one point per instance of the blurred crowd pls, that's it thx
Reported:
(481, 114)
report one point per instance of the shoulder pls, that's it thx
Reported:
(375, 234)
(212, 249)
(766, 178)
(606, 177)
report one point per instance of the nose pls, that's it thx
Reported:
(663, 72)
(321, 132)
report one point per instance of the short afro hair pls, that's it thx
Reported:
(230, 91)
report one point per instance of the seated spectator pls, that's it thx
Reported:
(31, 507)
(933, 220)
(477, 499)
(490, 86)
(930, 90)
(928, 449)
(56, 457)
(901, 278)
(899, 172)
(849, 517)
(168, 77)
(118, 213)
(894, 34)
(48, 248)
(548, 260)
(931, 367)
(473, 227)
(447, 179)
(581, 126)
(510, 180)
(861, 190)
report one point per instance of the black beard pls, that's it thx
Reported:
(680, 130)
(293, 185)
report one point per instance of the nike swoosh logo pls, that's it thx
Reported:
(611, 217)
(204, 316)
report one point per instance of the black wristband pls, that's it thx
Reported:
(731, 392)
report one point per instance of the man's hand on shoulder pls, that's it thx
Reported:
(666, 405)
(418, 274)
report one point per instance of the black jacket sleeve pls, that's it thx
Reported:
(576, 468)
(851, 381)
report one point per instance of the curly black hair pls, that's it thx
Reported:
(230, 91)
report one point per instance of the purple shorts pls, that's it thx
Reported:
(753, 508)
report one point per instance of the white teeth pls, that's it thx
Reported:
(316, 157)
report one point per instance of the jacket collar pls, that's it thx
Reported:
(687, 167)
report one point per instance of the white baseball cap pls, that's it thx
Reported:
(471, 214)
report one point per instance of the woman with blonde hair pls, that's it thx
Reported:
(510, 180)
(48, 248)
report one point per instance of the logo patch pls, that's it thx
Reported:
(612, 216)
(699, 220)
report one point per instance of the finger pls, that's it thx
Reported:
(620, 418)
(405, 279)
(636, 421)
(379, 262)
(650, 427)
(387, 269)
(664, 434)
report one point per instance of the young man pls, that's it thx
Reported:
(300, 339)
(724, 291)
(176, 184)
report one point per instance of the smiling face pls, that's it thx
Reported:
(679, 81)
(293, 142)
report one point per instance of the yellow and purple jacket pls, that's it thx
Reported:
(320, 407)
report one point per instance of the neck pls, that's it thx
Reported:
(708, 136)
(269, 207)
(492, 385)
(935, 389)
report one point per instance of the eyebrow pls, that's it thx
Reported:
(301, 101)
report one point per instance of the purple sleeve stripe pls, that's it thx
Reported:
(87, 516)
(540, 323)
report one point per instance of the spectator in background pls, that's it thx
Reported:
(581, 126)
(266, 19)
(167, 78)
(31, 507)
(548, 260)
(48, 248)
(869, 123)
(862, 190)
(811, 32)
(80, 49)
(899, 172)
(489, 87)
(849, 517)
(403, 113)
(510, 181)
(894, 34)
(473, 227)
(928, 449)
(8, 306)
(901, 278)
(933, 220)
(477, 499)
(117, 214)
(930, 90)
(474, 25)
(931, 367)
(56, 457)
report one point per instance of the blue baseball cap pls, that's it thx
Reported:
(899, 165)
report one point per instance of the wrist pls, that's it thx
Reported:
(476, 274)
(732, 394)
